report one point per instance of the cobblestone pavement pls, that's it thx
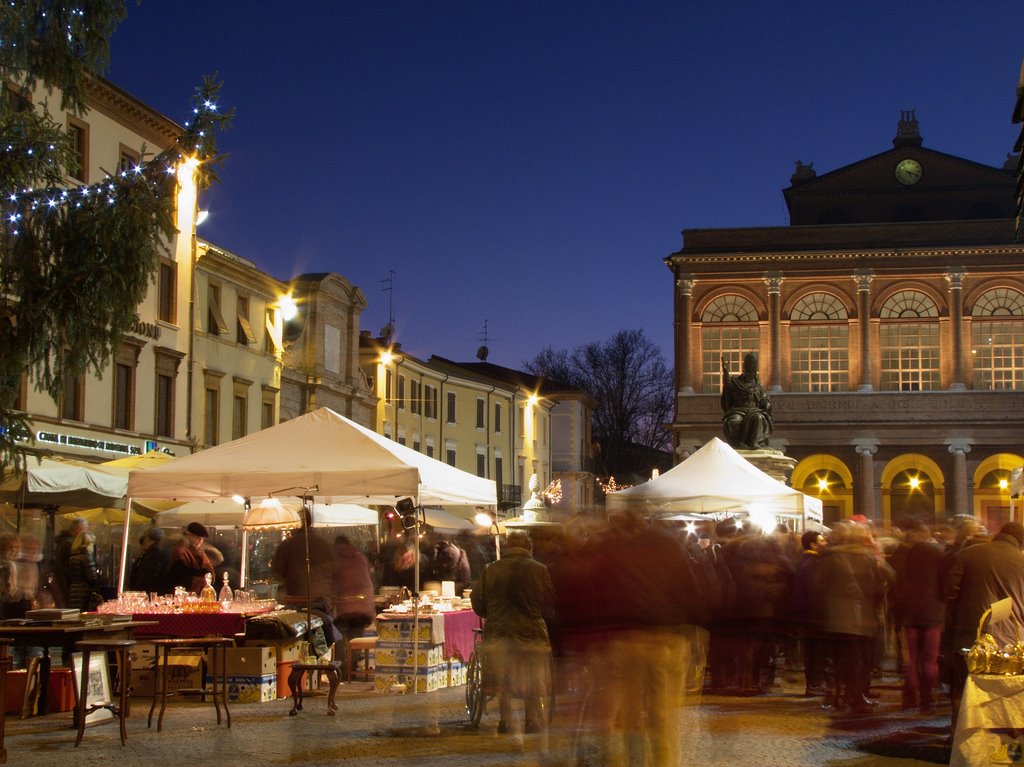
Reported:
(372, 729)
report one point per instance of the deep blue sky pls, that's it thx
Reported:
(531, 163)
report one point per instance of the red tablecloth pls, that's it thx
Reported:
(191, 624)
(458, 634)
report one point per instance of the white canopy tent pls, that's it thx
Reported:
(320, 454)
(715, 480)
(64, 482)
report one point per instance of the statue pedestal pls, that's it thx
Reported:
(774, 463)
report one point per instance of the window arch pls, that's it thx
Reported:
(997, 339)
(909, 342)
(819, 340)
(729, 331)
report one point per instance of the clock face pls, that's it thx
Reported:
(908, 172)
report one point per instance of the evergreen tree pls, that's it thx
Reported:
(75, 262)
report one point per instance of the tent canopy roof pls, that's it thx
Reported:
(345, 462)
(714, 479)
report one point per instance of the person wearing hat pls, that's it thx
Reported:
(193, 559)
(149, 570)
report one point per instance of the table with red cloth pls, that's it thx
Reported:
(458, 634)
(454, 629)
(190, 624)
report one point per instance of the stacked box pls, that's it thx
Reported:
(456, 672)
(394, 653)
(248, 689)
(428, 679)
(184, 671)
(391, 630)
(285, 650)
(248, 661)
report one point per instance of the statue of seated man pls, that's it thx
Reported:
(746, 409)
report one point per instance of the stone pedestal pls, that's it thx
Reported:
(774, 463)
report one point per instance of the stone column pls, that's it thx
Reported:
(955, 278)
(863, 279)
(956, 499)
(774, 284)
(684, 329)
(864, 501)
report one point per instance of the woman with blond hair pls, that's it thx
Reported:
(82, 573)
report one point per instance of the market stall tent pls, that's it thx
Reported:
(320, 454)
(717, 479)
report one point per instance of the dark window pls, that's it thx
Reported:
(497, 417)
(450, 457)
(243, 333)
(164, 406)
(80, 145)
(481, 410)
(211, 416)
(481, 465)
(401, 392)
(124, 393)
(451, 408)
(168, 291)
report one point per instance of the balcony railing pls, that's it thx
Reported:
(509, 495)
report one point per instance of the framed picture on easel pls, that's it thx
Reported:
(99, 685)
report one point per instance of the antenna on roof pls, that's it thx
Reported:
(388, 332)
(483, 351)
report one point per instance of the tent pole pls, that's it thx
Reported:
(124, 546)
(306, 518)
(243, 565)
(416, 603)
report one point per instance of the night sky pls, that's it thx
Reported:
(530, 164)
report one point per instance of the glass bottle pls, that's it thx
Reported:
(208, 594)
(225, 592)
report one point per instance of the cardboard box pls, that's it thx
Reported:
(428, 679)
(184, 672)
(391, 630)
(249, 661)
(61, 692)
(407, 654)
(456, 673)
(285, 650)
(248, 689)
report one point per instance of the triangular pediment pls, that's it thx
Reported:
(907, 183)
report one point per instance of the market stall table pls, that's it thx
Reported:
(63, 634)
(990, 725)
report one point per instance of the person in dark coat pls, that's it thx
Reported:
(652, 596)
(149, 570)
(848, 595)
(516, 597)
(917, 610)
(983, 574)
(289, 564)
(812, 637)
(449, 563)
(82, 572)
(353, 590)
(62, 558)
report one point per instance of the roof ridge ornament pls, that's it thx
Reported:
(907, 132)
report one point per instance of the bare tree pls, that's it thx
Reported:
(628, 378)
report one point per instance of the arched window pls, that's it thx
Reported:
(819, 339)
(997, 339)
(910, 342)
(729, 330)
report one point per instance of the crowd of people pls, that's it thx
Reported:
(659, 615)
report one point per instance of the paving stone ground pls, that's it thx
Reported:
(385, 730)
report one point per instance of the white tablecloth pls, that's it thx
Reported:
(990, 726)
